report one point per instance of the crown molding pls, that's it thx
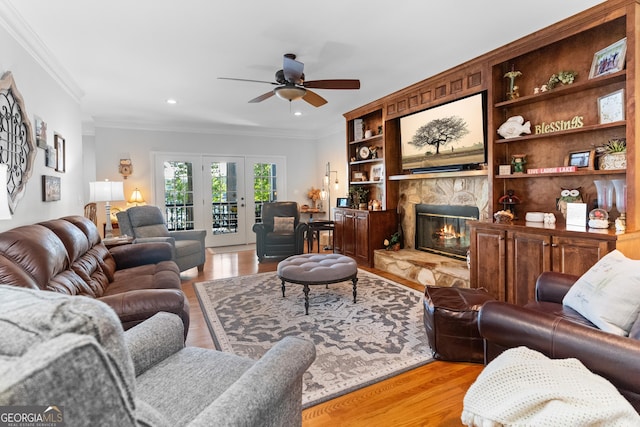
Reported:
(20, 30)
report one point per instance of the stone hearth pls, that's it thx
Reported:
(423, 267)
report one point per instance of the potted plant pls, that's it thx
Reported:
(612, 154)
(359, 195)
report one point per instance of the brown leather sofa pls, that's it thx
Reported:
(559, 332)
(66, 255)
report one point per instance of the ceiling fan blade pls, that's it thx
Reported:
(262, 97)
(333, 84)
(247, 80)
(314, 99)
(292, 70)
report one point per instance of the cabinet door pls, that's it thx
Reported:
(362, 237)
(528, 255)
(488, 268)
(338, 231)
(349, 235)
(573, 255)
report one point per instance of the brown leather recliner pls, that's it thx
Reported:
(276, 243)
(560, 332)
(66, 255)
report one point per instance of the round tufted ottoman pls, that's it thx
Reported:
(317, 269)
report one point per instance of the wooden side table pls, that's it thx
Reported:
(314, 229)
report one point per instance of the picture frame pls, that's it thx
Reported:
(60, 147)
(41, 132)
(50, 159)
(50, 188)
(582, 159)
(609, 60)
(377, 172)
(342, 202)
(611, 107)
(358, 176)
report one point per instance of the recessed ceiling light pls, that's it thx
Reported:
(297, 113)
(171, 101)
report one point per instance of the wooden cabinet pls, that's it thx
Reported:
(565, 119)
(373, 154)
(359, 232)
(507, 259)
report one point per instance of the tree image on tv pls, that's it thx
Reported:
(440, 132)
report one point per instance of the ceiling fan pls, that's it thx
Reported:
(291, 84)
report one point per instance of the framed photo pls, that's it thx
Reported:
(60, 147)
(581, 159)
(41, 133)
(377, 173)
(50, 157)
(611, 107)
(359, 176)
(609, 60)
(50, 188)
(342, 202)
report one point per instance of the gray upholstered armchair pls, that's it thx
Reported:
(147, 224)
(71, 351)
(280, 234)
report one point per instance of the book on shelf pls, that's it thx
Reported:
(357, 129)
(556, 169)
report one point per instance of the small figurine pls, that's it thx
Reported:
(544, 88)
(568, 195)
(509, 201)
(518, 161)
(514, 127)
(536, 90)
(513, 89)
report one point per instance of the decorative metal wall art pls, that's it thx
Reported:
(17, 147)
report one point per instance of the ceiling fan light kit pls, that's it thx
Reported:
(292, 86)
(290, 93)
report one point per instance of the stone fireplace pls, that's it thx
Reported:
(443, 230)
(430, 268)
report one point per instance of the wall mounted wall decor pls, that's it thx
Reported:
(17, 147)
(50, 157)
(50, 188)
(41, 132)
(60, 146)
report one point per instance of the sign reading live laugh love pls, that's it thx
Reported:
(559, 125)
(34, 416)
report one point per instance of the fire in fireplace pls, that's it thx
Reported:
(442, 229)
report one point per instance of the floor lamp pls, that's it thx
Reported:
(326, 194)
(106, 191)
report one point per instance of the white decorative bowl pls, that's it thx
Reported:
(534, 217)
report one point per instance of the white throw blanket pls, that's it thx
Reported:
(523, 387)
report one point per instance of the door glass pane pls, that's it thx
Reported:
(178, 195)
(224, 196)
(264, 186)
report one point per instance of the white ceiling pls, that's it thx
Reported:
(129, 56)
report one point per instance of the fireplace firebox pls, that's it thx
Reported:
(442, 229)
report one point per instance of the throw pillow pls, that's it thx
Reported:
(608, 294)
(283, 224)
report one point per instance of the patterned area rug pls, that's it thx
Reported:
(379, 336)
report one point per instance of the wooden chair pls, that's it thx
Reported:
(90, 212)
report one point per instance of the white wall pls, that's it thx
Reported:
(44, 97)
(305, 159)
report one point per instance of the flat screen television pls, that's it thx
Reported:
(451, 136)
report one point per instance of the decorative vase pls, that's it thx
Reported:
(612, 161)
(604, 188)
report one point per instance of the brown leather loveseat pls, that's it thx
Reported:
(559, 332)
(66, 255)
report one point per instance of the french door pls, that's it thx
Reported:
(221, 194)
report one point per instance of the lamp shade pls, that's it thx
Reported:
(136, 197)
(5, 213)
(106, 191)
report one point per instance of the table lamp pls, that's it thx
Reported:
(106, 191)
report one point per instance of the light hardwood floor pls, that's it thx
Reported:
(427, 396)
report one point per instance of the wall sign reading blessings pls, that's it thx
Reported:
(559, 125)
